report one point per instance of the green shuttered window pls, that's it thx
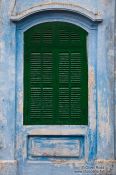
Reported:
(55, 75)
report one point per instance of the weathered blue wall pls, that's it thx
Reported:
(101, 132)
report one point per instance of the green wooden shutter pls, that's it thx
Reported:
(55, 75)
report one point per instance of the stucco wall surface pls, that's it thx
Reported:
(15, 10)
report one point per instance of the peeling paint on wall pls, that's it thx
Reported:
(98, 134)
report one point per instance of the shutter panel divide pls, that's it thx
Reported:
(55, 75)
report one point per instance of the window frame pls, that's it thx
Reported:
(85, 130)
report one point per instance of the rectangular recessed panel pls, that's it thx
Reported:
(55, 146)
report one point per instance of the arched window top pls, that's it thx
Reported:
(60, 24)
(55, 74)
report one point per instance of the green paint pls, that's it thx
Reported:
(55, 75)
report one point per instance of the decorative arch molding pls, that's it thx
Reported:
(91, 15)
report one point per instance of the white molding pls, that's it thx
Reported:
(94, 16)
